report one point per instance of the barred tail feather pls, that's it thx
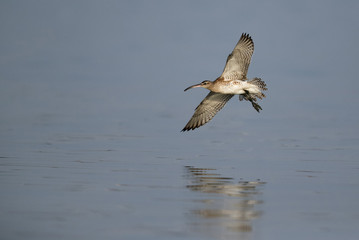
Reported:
(259, 83)
(252, 97)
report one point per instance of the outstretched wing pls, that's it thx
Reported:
(207, 109)
(238, 61)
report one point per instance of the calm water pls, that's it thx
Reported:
(92, 104)
(68, 175)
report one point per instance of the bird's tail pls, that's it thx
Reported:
(252, 96)
(259, 83)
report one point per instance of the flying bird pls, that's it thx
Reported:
(233, 81)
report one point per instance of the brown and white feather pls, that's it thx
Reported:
(238, 61)
(207, 109)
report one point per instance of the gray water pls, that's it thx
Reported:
(92, 104)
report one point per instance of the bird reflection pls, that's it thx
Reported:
(227, 208)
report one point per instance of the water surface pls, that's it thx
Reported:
(92, 104)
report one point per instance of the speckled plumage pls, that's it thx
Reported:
(233, 81)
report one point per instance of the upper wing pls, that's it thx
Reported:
(238, 61)
(206, 110)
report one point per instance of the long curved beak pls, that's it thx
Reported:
(193, 86)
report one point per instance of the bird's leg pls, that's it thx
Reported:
(248, 97)
(256, 106)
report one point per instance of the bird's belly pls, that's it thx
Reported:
(232, 90)
(237, 87)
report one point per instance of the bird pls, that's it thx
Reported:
(233, 81)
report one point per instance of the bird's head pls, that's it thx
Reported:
(204, 84)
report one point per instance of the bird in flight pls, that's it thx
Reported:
(233, 81)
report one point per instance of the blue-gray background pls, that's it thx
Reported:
(101, 83)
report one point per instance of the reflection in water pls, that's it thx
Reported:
(229, 208)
